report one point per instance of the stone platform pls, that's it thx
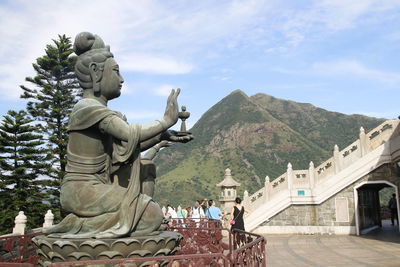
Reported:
(380, 248)
(52, 250)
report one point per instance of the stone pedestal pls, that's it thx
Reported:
(52, 250)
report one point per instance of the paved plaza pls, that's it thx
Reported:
(378, 248)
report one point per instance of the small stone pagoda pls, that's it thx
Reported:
(228, 191)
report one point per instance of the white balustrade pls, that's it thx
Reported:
(289, 176)
(20, 223)
(48, 219)
(311, 174)
(363, 142)
(246, 200)
(266, 188)
(309, 179)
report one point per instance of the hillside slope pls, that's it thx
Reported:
(253, 136)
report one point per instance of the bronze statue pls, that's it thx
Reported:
(103, 190)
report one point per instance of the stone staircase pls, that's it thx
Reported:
(315, 185)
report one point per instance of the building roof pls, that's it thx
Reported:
(228, 180)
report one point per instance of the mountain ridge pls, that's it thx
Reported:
(254, 136)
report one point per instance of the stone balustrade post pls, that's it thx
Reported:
(336, 158)
(246, 199)
(48, 219)
(289, 177)
(363, 142)
(311, 175)
(266, 188)
(20, 224)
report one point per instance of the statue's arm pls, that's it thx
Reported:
(150, 144)
(153, 131)
(118, 128)
(152, 151)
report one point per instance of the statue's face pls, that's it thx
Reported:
(111, 81)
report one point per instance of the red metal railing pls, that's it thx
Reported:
(248, 249)
(201, 236)
(204, 243)
(194, 260)
(17, 250)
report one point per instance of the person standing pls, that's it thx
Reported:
(237, 215)
(181, 213)
(204, 204)
(213, 212)
(393, 209)
(188, 212)
(171, 213)
(197, 211)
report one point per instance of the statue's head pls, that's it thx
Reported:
(96, 68)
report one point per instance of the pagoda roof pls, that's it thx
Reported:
(228, 180)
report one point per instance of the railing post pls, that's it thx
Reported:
(48, 219)
(266, 188)
(20, 223)
(311, 174)
(289, 177)
(363, 142)
(336, 158)
(246, 199)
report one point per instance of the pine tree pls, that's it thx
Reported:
(50, 102)
(22, 161)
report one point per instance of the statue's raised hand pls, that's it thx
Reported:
(172, 109)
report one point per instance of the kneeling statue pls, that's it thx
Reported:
(102, 186)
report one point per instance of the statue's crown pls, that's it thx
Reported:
(86, 41)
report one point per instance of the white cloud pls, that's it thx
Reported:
(162, 36)
(345, 68)
(352, 68)
(323, 17)
(153, 64)
(159, 37)
(342, 14)
(163, 90)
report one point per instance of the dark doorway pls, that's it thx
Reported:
(370, 210)
(368, 206)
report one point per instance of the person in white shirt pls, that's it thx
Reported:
(171, 213)
(197, 211)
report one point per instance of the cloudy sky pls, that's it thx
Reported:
(340, 55)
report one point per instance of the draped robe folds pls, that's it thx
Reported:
(100, 208)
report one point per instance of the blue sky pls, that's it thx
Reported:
(339, 55)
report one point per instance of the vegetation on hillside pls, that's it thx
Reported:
(253, 136)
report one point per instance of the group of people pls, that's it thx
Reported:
(201, 209)
(207, 209)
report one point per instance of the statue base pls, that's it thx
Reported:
(52, 250)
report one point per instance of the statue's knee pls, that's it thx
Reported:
(151, 219)
(155, 211)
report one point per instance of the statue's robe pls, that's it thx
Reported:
(98, 207)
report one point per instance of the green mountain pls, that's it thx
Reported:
(254, 137)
